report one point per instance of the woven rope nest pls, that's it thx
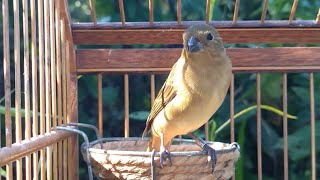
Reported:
(126, 158)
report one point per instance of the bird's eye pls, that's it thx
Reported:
(209, 37)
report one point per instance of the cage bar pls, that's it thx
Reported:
(293, 10)
(64, 96)
(18, 126)
(318, 17)
(126, 105)
(100, 111)
(312, 126)
(122, 14)
(47, 54)
(93, 12)
(236, 12)
(264, 11)
(206, 131)
(26, 84)
(35, 119)
(152, 89)
(161, 60)
(171, 33)
(208, 11)
(41, 83)
(232, 139)
(285, 126)
(59, 83)
(26, 147)
(259, 152)
(54, 154)
(179, 12)
(7, 84)
(151, 12)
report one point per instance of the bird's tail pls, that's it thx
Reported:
(154, 143)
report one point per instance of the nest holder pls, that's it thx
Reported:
(87, 150)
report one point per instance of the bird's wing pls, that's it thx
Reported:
(165, 96)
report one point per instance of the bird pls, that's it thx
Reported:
(193, 91)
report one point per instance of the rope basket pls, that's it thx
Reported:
(126, 158)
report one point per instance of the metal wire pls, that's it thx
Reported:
(85, 137)
(231, 147)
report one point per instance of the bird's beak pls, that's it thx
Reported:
(194, 45)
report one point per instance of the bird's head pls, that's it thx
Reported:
(202, 38)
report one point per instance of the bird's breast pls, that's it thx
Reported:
(199, 96)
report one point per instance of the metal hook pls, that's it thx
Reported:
(153, 165)
(85, 137)
(90, 127)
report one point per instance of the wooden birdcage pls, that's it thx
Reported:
(52, 62)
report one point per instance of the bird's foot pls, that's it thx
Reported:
(164, 156)
(212, 153)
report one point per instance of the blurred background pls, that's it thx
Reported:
(245, 87)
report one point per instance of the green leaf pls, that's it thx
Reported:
(13, 111)
(265, 107)
(299, 143)
(2, 99)
(212, 3)
(2, 172)
(212, 130)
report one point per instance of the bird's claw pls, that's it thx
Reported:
(212, 153)
(165, 155)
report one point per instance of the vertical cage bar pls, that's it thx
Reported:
(264, 11)
(126, 105)
(151, 12)
(236, 12)
(53, 86)
(34, 83)
(206, 131)
(122, 14)
(64, 97)
(208, 11)
(152, 89)
(47, 54)
(17, 83)
(258, 91)
(26, 84)
(179, 11)
(59, 86)
(7, 84)
(232, 139)
(67, 117)
(42, 87)
(100, 112)
(285, 126)
(93, 12)
(318, 17)
(293, 10)
(312, 125)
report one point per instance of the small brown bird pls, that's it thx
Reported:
(193, 92)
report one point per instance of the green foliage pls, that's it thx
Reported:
(2, 172)
(241, 141)
(299, 145)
